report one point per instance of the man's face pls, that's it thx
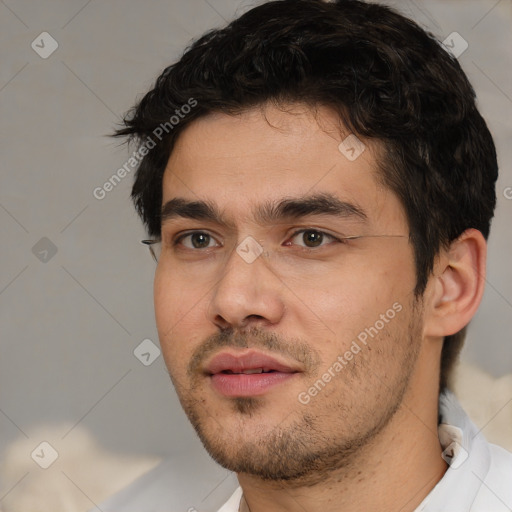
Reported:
(333, 324)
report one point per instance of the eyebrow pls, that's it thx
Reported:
(267, 213)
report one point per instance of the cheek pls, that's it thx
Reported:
(164, 296)
(366, 304)
(176, 298)
(344, 297)
(176, 315)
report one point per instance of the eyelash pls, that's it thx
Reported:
(180, 238)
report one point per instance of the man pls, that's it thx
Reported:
(318, 187)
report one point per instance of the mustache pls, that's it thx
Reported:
(254, 338)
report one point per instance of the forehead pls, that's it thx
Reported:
(267, 154)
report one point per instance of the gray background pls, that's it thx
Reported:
(69, 325)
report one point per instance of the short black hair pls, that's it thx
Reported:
(387, 79)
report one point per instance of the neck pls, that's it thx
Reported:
(395, 471)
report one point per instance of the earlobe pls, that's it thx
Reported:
(458, 285)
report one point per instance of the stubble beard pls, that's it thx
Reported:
(298, 453)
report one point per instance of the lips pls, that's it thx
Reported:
(248, 374)
(249, 362)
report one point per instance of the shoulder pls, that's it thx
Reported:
(500, 471)
(495, 493)
(233, 504)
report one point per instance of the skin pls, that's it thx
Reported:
(367, 440)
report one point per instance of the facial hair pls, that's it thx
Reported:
(300, 450)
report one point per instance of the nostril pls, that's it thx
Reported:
(222, 323)
(255, 317)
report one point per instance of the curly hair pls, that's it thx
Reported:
(384, 76)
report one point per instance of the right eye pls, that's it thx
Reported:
(196, 240)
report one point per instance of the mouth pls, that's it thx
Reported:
(247, 374)
(249, 371)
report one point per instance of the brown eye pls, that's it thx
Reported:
(200, 240)
(311, 238)
(197, 240)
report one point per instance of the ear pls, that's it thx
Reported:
(457, 285)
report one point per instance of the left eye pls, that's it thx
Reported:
(311, 238)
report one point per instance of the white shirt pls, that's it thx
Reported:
(479, 476)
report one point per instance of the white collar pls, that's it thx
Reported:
(468, 455)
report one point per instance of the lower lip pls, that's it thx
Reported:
(242, 384)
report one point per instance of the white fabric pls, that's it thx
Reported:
(233, 504)
(479, 477)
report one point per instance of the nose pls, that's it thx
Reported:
(247, 294)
